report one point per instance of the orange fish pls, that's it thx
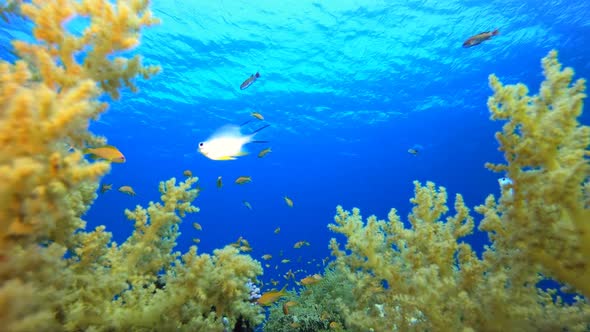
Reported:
(480, 38)
(249, 81)
(107, 152)
(310, 280)
(286, 306)
(269, 298)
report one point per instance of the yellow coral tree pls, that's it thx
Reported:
(54, 275)
(541, 224)
(424, 278)
(546, 214)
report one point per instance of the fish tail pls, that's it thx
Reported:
(259, 129)
(257, 75)
(495, 32)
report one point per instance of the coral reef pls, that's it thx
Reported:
(314, 307)
(546, 150)
(54, 274)
(423, 277)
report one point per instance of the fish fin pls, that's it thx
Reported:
(227, 158)
(259, 142)
(257, 74)
(245, 123)
(259, 129)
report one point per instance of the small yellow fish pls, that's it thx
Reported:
(264, 152)
(187, 173)
(310, 280)
(127, 190)
(288, 201)
(245, 248)
(285, 261)
(413, 152)
(107, 152)
(247, 205)
(266, 257)
(219, 182)
(300, 244)
(277, 230)
(335, 326)
(243, 180)
(197, 226)
(287, 305)
(269, 298)
(257, 115)
(106, 187)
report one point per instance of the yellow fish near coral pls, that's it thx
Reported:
(107, 152)
(310, 280)
(105, 187)
(227, 143)
(243, 180)
(271, 297)
(127, 190)
(187, 173)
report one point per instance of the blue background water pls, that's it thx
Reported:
(347, 86)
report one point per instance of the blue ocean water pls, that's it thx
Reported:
(347, 88)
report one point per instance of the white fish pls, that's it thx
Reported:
(504, 183)
(227, 143)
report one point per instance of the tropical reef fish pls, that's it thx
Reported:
(249, 81)
(105, 187)
(300, 244)
(243, 180)
(413, 151)
(227, 143)
(287, 305)
(247, 205)
(288, 201)
(127, 190)
(219, 182)
(310, 280)
(480, 38)
(187, 173)
(269, 298)
(277, 230)
(506, 184)
(107, 152)
(257, 115)
(264, 152)
(266, 257)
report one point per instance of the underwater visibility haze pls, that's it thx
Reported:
(198, 165)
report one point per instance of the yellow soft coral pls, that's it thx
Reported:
(113, 28)
(546, 150)
(425, 278)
